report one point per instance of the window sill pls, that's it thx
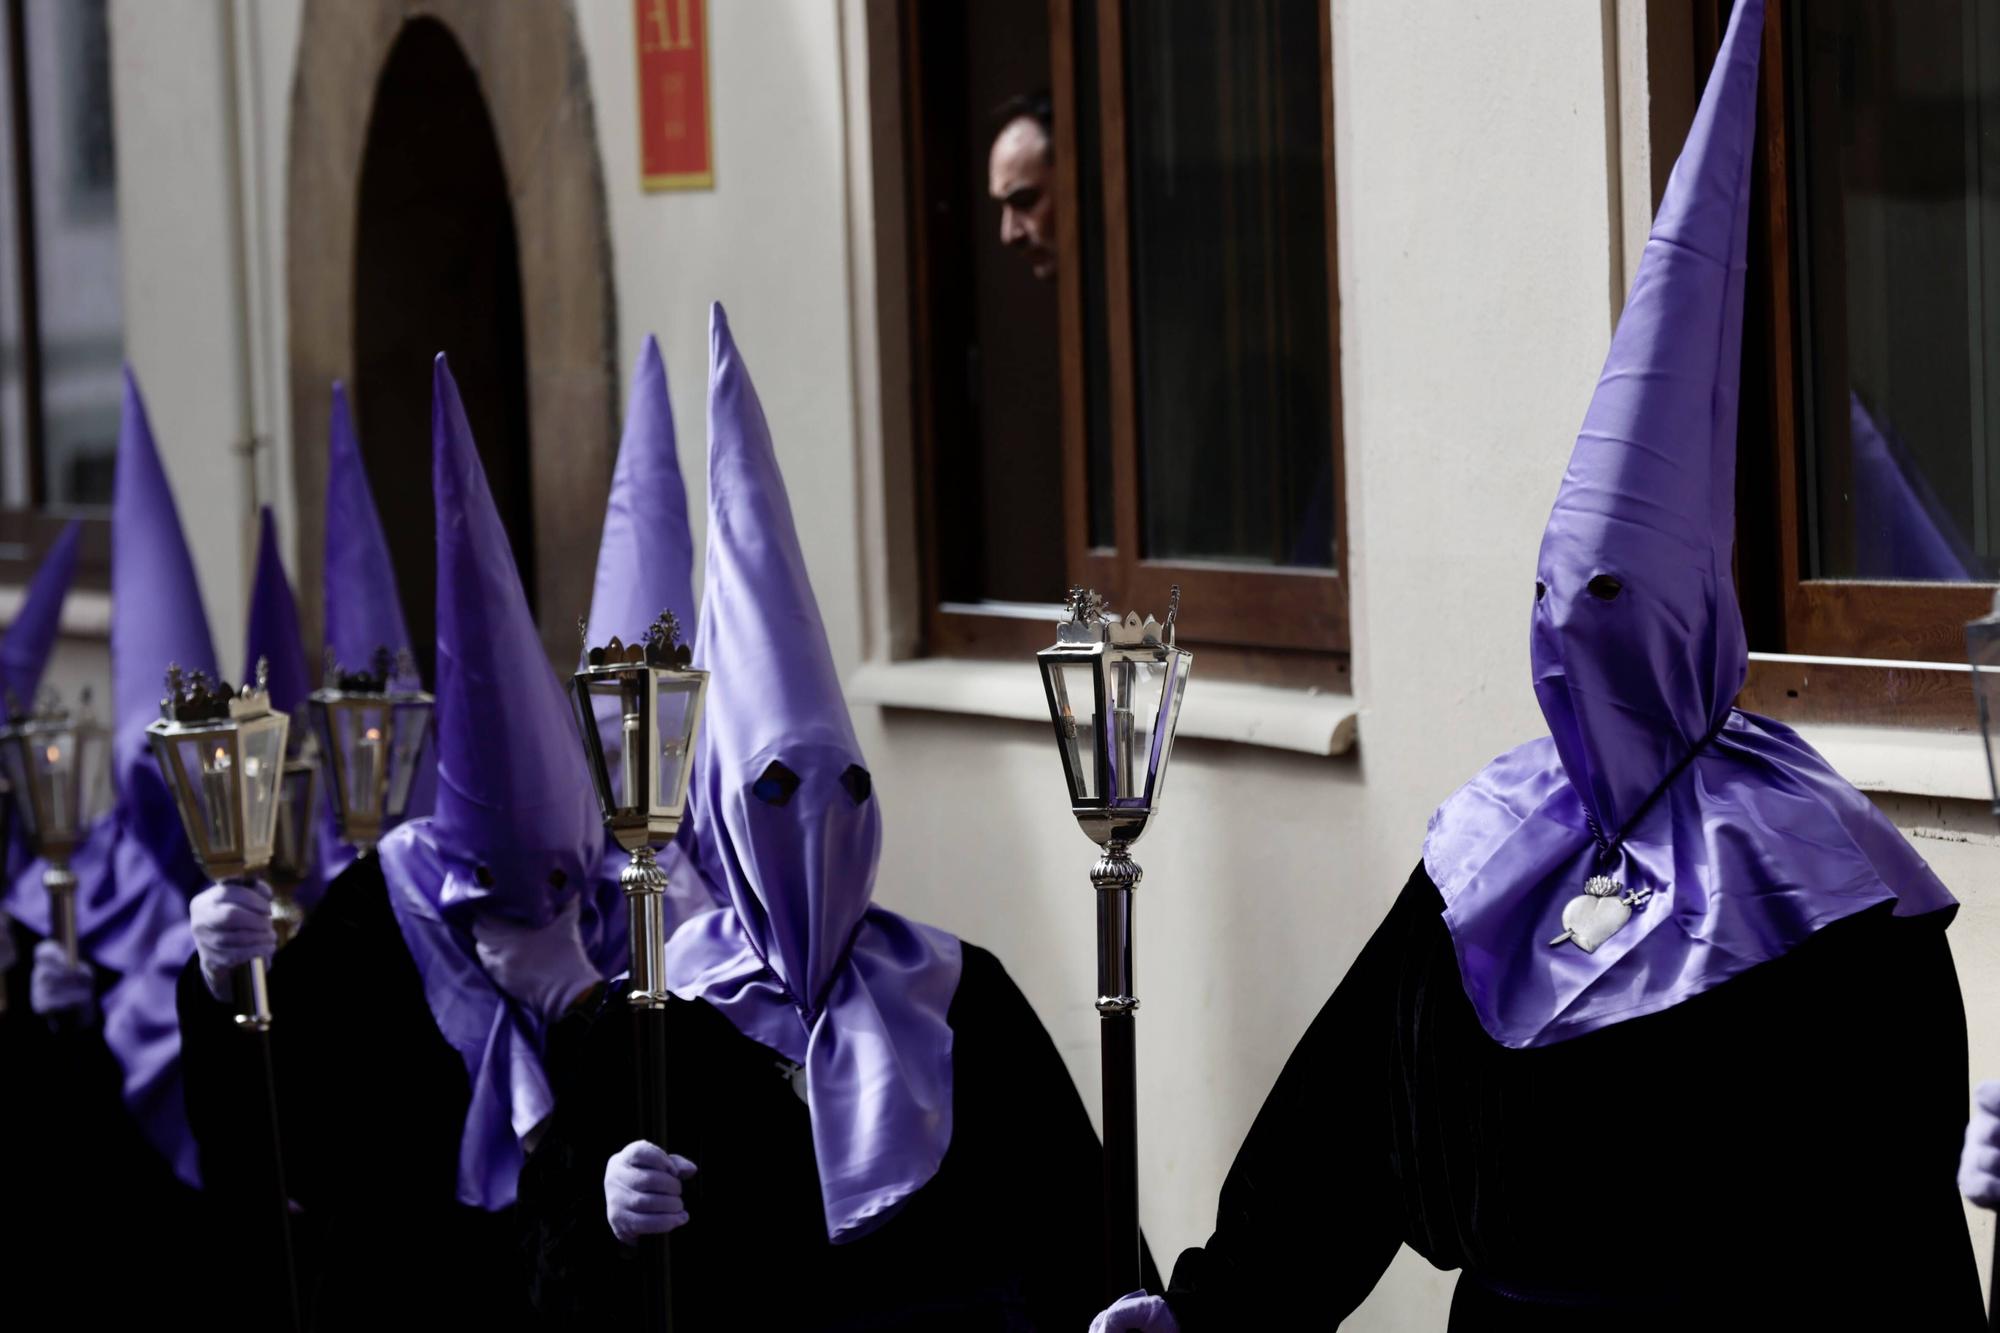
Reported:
(1904, 761)
(1304, 721)
(86, 614)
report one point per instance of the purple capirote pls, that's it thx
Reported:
(787, 829)
(1638, 652)
(516, 831)
(134, 869)
(364, 612)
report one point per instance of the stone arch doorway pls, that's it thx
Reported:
(444, 192)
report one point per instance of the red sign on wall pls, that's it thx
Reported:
(675, 152)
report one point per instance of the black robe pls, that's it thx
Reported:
(1776, 1152)
(95, 1228)
(1007, 1235)
(372, 1104)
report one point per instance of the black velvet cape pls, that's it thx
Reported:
(1778, 1152)
(1007, 1235)
(372, 1104)
(95, 1228)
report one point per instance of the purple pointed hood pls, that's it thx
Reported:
(273, 637)
(645, 562)
(273, 633)
(24, 650)
(134, 870)
(156, 620)
(515, 815)
(516, 831)
(364, 611)
(788, 830)
(1746, 839)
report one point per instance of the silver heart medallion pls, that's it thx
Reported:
(1599, 912)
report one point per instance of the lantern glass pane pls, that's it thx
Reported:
(57, 778)
(360, 744)
(1074, 686)
(617, 708)
(1178, 664)
(1982, 642)
(263, 749)
(93, 774)
(410, 724)
(14, 752)
(202, 767)
(674, 715)
(292, 847)
(1134, 684)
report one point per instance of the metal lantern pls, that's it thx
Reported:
(639, 705)
(222, 753)
(371, 735)
(58, 767)
(294, 848)
(1114, 689)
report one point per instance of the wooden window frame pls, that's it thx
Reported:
(1814, 638)
(1255, 623)
(27, 533)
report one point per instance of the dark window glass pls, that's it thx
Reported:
(1895, 126)
(61, 319)
(1230, 302)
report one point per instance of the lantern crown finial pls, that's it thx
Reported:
(196, 696)
(662, 647)
(1090, 622)
(383, 669)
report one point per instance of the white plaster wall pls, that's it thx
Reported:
(1476, 235)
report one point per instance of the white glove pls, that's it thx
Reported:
(232, 925)
(54, 987)
(1979, 1167)
(642, 1191)
(543, 969)
(1136, 1313)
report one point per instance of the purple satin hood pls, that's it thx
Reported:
(157, 619)
(517, 830)
(499, 1043)
(364, 611)
(272, 635)
(134, 871)
(645, 565)
(1638, 652)
(25, 648)
(787, 829)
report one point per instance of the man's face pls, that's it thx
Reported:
(1019, 176)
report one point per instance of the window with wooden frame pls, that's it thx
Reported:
(1868, 514)
(1163, 408)
(61, 322)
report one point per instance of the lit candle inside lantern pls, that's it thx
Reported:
(367, 771)
(216, 802)
(58, 789)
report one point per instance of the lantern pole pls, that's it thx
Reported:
(1114, 792)
(232, 830)
(643, 811)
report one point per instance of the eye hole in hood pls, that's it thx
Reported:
(1605, 588)
(857, 782)
(1541, 590)
(775, 785)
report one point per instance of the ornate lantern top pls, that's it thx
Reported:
(662, 647)
(195, 697)
(383, 672)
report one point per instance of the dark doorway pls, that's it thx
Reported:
(436, 269)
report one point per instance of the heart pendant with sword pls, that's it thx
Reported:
(1599, 912)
